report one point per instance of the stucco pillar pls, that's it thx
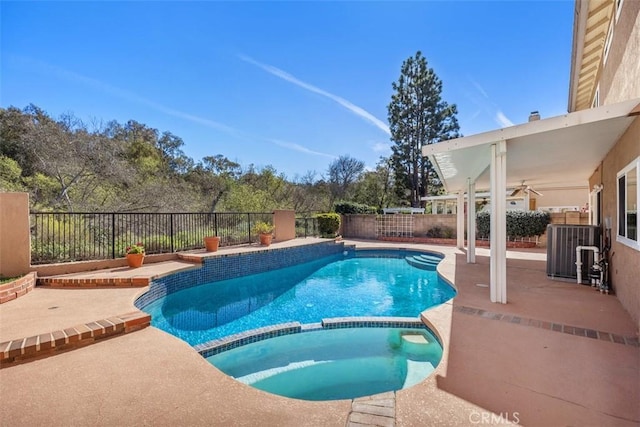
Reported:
(15, 240)
(285, 223)
(460, 221)
(471, 222)
(498, 230)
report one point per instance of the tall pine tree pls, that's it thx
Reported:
(418, 116)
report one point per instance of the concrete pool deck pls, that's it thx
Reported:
(534, 361)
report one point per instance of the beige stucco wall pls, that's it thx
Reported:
(620, 77)
(625, 261)
(364, 226)
(15, 241)
(557, 197)
(285, 223)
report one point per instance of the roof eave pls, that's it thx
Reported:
(581, 14)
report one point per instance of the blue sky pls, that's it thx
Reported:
(287, 84)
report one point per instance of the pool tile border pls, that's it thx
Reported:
(550, 326)
(229, 266)
(214, 347)
(211, 348)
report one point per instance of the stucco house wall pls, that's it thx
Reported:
(624, 260)
(619, 80)
(620, 77)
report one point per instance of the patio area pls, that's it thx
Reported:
(557, 354)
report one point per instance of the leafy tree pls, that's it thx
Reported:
(375, 187)
(418, 116)
(307, 194)
(10, 175)
(213, 177)
(174, 158)
(343, 172)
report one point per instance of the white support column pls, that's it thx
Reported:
(471, 222)
(498, 261)
(460, 221)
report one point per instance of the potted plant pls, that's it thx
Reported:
(265, 231)
(135, 255)
(211, 243)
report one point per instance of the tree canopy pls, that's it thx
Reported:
(418, 116)
(69, 166)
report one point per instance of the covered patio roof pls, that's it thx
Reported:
(563, 150)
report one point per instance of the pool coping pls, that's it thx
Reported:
(221, 345)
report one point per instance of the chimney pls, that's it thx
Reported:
(534, 116)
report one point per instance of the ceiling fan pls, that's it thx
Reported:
(525, 189)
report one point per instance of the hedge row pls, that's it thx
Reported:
(519, 223)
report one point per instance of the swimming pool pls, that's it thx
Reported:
(380, 283)
(334, 364)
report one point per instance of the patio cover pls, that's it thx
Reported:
(563, 150)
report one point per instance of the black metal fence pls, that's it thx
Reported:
(66, 237)
(307, 226)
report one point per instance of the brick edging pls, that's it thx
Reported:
(17, 288)
(65, 282)
(23, 350)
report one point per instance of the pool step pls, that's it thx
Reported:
(425, 262)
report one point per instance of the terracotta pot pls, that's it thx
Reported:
(211, 243)
(135, 260)
(265, 239)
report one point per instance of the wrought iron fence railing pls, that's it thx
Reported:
(306, 226)
(65, 237)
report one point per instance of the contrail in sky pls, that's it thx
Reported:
(300, 148)
(130, 96)
(502, 120)
(133, 97)
(343, 102)
(487, 104)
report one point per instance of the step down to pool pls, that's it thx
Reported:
(424, 262)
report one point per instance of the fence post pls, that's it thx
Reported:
(215, 224)
(249, 230)
(113, 235)
(171, 227)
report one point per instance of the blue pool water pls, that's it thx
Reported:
(334, 364)
(366, 285)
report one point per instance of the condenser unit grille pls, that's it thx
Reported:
(562, 241)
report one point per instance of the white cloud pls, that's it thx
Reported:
(343, 102)
(300, 148)
(502, 120)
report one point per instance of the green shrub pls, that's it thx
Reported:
(347, 208)
(328, 224)
(440, 232)
(519, 223)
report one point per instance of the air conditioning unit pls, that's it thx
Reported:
(562, 241)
